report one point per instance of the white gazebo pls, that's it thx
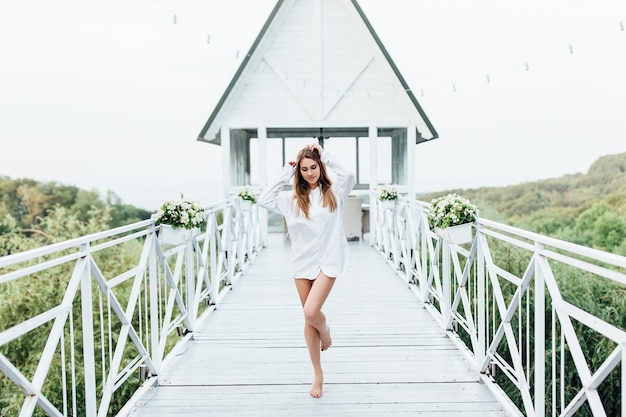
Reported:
(318, 70)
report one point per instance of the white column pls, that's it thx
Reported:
(373, 137)
(226, 168)
(262, 136)
(410, 160)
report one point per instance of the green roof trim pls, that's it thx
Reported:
(257, 41)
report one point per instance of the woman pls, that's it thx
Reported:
(313, 214)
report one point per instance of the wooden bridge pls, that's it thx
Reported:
(249, 358)
(422, 324)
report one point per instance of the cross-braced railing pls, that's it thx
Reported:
(122, 303)
(536, 315)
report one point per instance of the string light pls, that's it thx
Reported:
(175, 20)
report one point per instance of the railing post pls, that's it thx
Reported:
(426, 266)
(242, 238)
(229, 244)
(89, 361)
(540, 337)
(154, 302)
(481, 315)
(623, 381)
(446, 280)
(213, 253)
(190, 282)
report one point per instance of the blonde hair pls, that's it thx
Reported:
(301, 188)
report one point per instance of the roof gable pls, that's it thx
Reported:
(317, 63)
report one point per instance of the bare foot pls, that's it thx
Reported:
(316, 388)
(325, 339)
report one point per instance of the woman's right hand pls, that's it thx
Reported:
(316, 147)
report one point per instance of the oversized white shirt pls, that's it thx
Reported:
(318, 243)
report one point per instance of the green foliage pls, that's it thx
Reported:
(28, 202)
(588, 209)
(27, 297)
(32, 215)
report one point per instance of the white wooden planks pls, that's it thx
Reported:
(388, 356)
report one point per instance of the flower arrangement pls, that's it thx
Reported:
(451, 210)
(181, 214)
(247, 194)
(387, 192)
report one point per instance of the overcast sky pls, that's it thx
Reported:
(111, 95)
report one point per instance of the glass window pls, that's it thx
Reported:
(294, 145)
(344, 149)
(357, 158)
(273, 163)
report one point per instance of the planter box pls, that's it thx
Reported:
(456, 234)
(170, 236)
(245, 205)
(388, 204)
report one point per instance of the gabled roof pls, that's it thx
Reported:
(367, 74)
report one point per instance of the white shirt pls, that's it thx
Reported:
(318, 243)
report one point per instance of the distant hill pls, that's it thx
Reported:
(605, 181)
(588, 209)
(24, 203)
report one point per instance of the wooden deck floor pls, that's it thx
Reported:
(388, 356)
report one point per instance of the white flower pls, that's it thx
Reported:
(451, 210)
(387, 192)
(247, 194)
(181, 214)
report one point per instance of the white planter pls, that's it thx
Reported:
(245, 205)
(457, 234)
(388, 204)
(170, 236)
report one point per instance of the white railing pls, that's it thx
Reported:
(520, 305)
(126, 303)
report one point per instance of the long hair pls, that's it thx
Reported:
(301, 186)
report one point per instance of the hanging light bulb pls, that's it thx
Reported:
(527, 66)
(208, 39)
(571, 49)
(488, 79)
(174, 19)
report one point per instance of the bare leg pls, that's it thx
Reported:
(313, 294)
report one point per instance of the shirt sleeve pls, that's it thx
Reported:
(271, 199)
(345, 178)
